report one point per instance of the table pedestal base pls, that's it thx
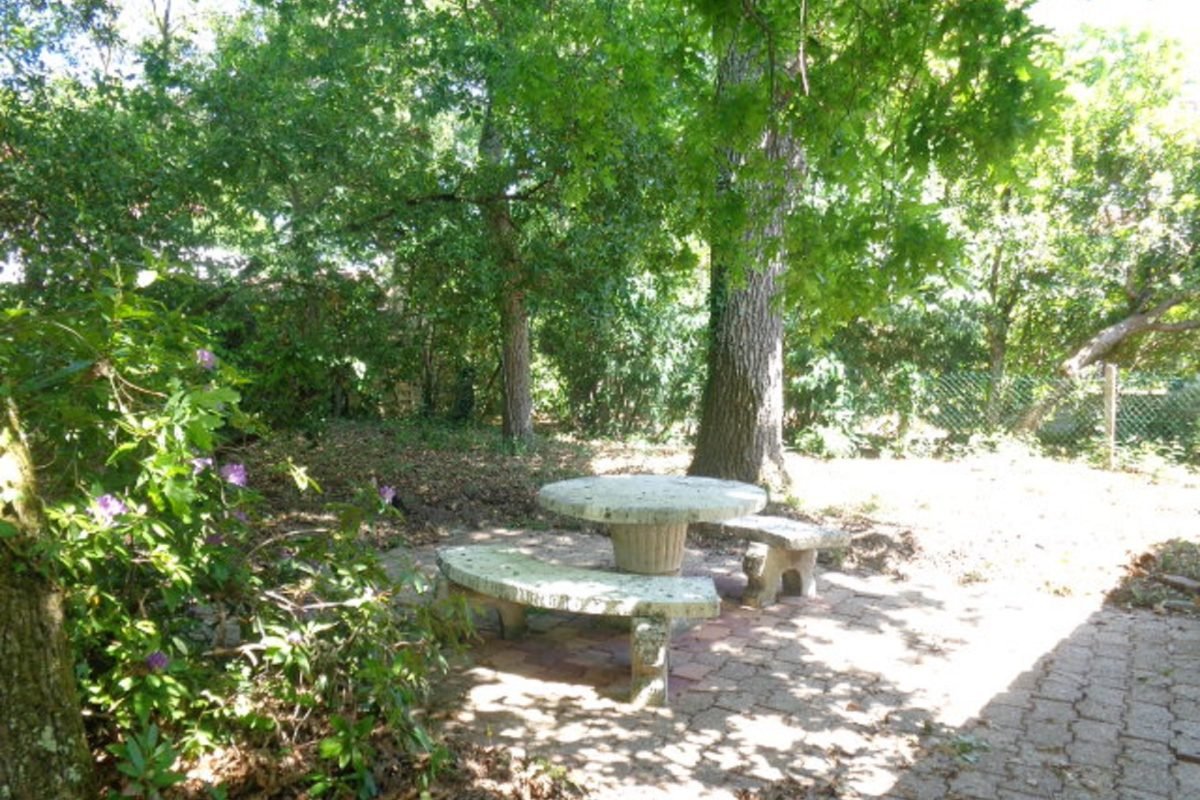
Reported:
(649, 549)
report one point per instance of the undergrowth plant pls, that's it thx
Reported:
(196, 626)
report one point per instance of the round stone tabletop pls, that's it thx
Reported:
(651, 499)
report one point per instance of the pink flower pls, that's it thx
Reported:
(107, 508)
(234, 474)
(206, 359)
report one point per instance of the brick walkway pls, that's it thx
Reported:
(921, 688)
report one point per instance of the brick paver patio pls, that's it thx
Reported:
(918, 688)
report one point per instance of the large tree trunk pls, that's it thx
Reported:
(43, 750)
(516, 352)
(741, 420)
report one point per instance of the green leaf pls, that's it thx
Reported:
(331, 747)
(214, 399)
(56, 377)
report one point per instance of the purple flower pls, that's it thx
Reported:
(214, 540)
(206, 359)
(234, 474)
(240, 516)
(107, 508)
(157, 661)
(200, 464)
(387, 494)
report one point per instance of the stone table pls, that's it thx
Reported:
(648, 515)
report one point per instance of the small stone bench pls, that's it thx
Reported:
(503, 577)
(782, 555)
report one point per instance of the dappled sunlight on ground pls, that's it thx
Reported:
(988, 670)
(878, 690)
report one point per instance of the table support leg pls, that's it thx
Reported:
(649, 549)
(512, 619)
(650, 639)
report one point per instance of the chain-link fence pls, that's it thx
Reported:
(1163, 411)
(1136, 411)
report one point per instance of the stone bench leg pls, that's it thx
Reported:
(512, 618)
(801, 579)
(649, 640)
(769, 569)
(512, 615)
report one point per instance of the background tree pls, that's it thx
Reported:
(1127, 242)
(466, 157)
(871, 99)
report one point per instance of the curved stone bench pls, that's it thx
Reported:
(782, 555)
(503, 577)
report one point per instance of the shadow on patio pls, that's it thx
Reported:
(877, 689)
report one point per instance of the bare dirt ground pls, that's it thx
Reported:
(1006, 528)
(1005, 516)
(1011, 518)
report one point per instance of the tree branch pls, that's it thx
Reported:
(1174, 327)
(1105, 340)
(528, 194)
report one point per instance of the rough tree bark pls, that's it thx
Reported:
(43, 749)
(740, 436)
(516, 351)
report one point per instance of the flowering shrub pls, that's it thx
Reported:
(186, 620)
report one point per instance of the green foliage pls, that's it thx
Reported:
(31, 30)
(309, 350)
(349, 749)
(630, 363)
(187, 617)
(880, 100)
(95, 175)
(145, 760)
(1091, 227)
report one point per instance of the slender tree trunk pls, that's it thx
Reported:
(741, 419)
(516, 352)
(997, 357)
(518, 389)
(43, 750)
(997, 325)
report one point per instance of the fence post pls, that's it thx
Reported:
(1110, 413)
